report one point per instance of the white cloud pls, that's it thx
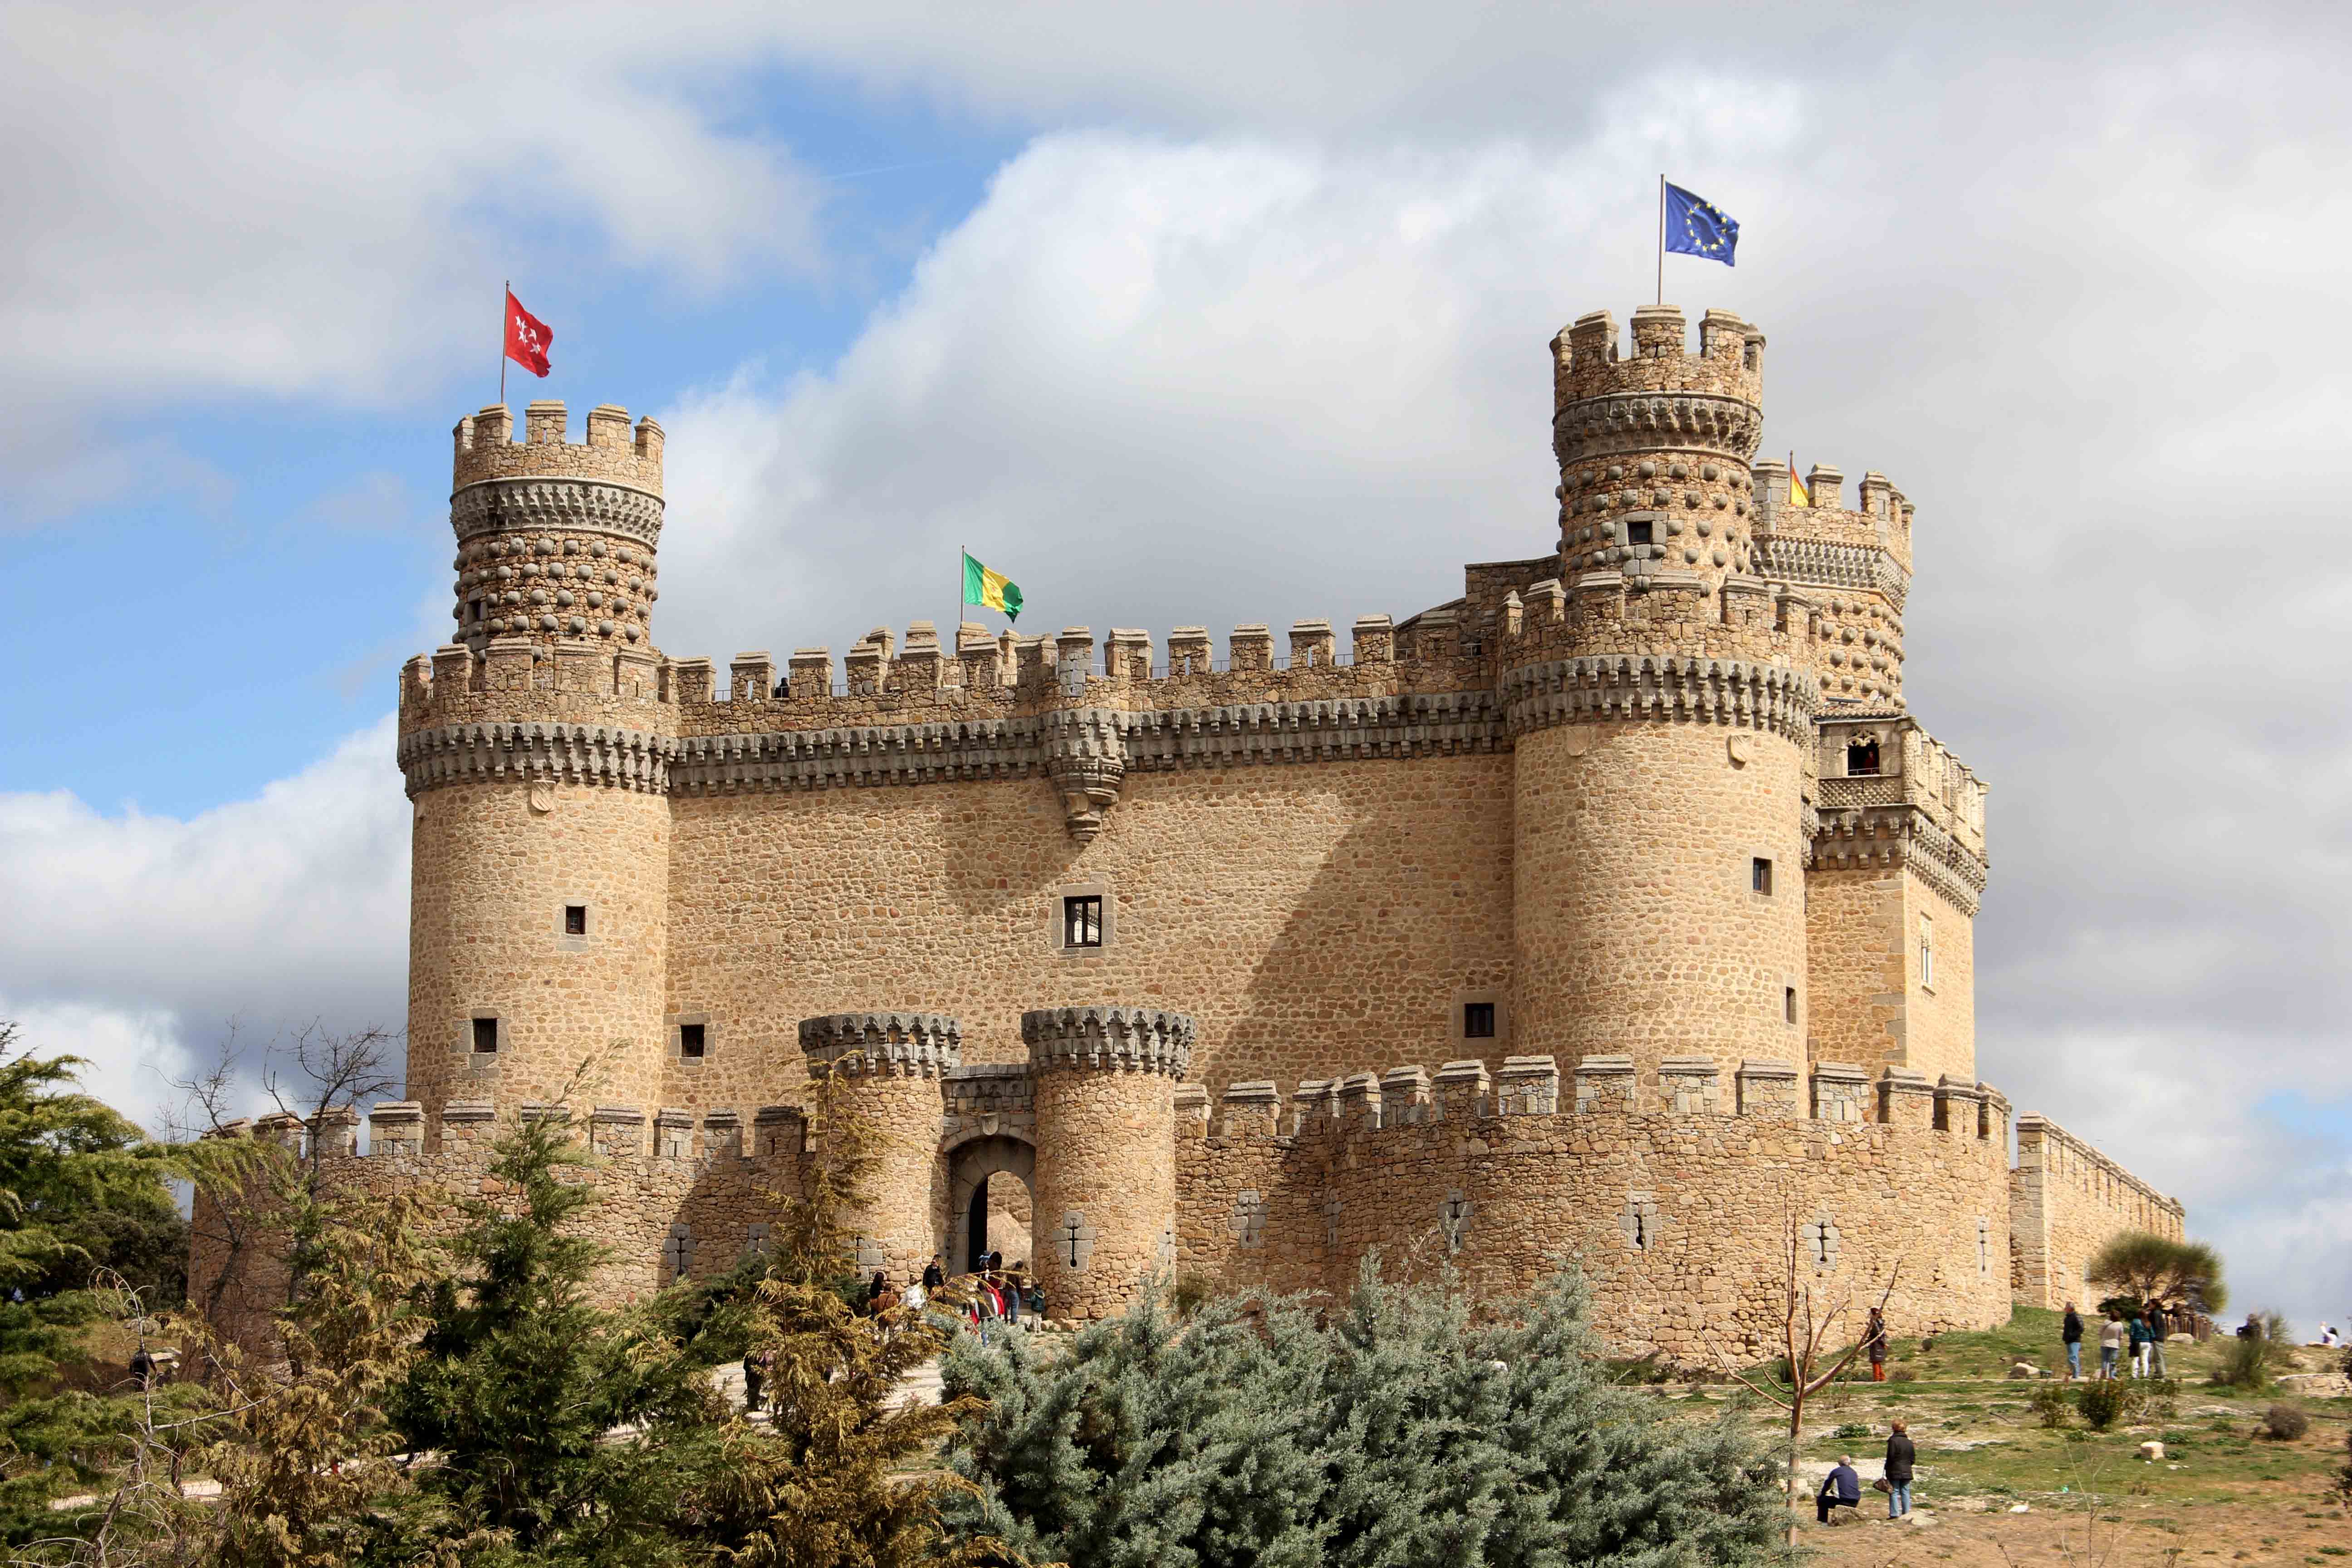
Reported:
(134, 940)
(1162, 383)
(238, 197)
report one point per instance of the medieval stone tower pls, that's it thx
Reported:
(1140, 961)
(540, 892)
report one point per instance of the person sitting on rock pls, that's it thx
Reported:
(1841, 1488)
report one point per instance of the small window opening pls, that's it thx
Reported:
(1789, 1003)
(692, 1039)
(1478, 1020)
(1862, 760)
(1759, 875)
(477, 609)
(1641, 1228)
(575, 920)
(1082, 920)
(486, 1035)
(1637, 533)
(1927, 954)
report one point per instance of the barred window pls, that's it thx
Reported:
(1478, 1020)
(1082, 921)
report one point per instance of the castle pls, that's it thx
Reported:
(1616, 908)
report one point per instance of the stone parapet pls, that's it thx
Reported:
(1109, 1037)
(1627, 688)
(536, 753)
(877, 1044)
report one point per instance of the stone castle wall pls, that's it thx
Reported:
(1649, 802)
(1676, 1203)
(676, 1194)
(2068, 1200)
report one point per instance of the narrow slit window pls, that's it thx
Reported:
(1082, 920)
(693, 1039)
(1478, 1020)
(1927, 954)
(486, 1035)
(1789, 1003)
(1759, 875)
(575, 920)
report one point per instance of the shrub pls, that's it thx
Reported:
(2251, 1363)
(2153, 1397)
(1852, 1430)
(1397, 1430)
(2052, 1405)
(1187, 1295)
(2284, 1423)
(2101, 1401)
(1902, 1374)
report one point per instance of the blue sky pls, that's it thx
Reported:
(1209, 314)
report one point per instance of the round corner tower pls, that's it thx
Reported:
(883, 1071)
(1104, 1200)
(1661, 722)
(535, 746)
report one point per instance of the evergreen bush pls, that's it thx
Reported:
(1398, 1432)
(2101, 1401)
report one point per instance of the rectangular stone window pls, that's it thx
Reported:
(693, 1039)
(1082, 920)
(575, 920)
(1640, 533)
(1759, 876)
(1478, 1020)
(486, 1037)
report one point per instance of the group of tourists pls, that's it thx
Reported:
(2141, 1332)
(1841, 1488)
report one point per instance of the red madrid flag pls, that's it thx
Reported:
(527, 337)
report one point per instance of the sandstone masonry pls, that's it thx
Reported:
(1618, 907)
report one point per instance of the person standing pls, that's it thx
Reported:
(755, 1378)
(2071, 1333)
(2137, 1330)
(934, 1275)
(2113, 1337)
(1900, 1458)
(1873, 1340)
(2159, 1326)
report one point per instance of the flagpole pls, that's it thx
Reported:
(1662, 238)
(508, 287)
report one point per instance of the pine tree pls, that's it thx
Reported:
(521, 1383)
(72, 1172)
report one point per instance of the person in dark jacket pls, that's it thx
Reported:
(1873, 1341)
(2072, 1333)
(2159, 1327)
(1841, 1488)
(1900, 1457)
(934, 1275)
(755, 1377)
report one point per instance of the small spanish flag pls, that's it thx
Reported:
(1798, 494)
(990, 590)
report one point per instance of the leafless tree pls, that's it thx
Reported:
(1806, 1336)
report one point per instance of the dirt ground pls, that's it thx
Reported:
(1998, 1486)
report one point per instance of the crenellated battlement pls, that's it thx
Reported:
(1599, 1089)
(612, 453)
(1656, 396)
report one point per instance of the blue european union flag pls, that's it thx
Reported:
(1699, 228)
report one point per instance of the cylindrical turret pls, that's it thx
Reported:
(885, 1070)
(556, 540)
(1104, 1208)
(535, 749)
(1660, 727)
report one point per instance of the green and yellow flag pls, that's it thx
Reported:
(990, 590)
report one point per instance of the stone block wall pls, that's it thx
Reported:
(2068, 1201)
(1678, 1217)
(689, 1204)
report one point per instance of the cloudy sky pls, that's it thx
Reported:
(1203, 314)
